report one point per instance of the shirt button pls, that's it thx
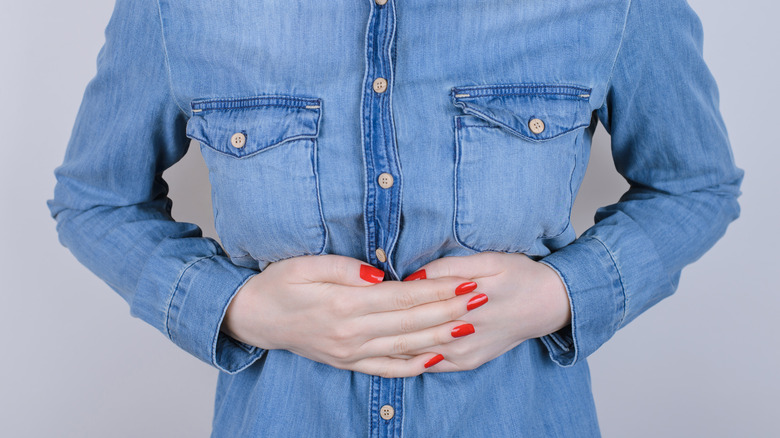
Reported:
(380, 2)
(382, 257)
(380, 85)
(385, 180)
(387, 412)
(536, 126)
(238, 140)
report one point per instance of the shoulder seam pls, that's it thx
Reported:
(167, 61)
(617, 53)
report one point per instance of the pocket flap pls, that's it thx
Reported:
(560, 108)
(264, 121)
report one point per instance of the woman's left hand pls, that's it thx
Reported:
(526, 299)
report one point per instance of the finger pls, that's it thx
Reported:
(417, 342)
(332, 268)
(389, 367)
(396, 295)
(444, 366)
(421, 317)
(473, 266)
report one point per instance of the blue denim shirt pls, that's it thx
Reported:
(483, 114)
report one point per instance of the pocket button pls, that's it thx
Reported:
(238, 140)
(536, 126)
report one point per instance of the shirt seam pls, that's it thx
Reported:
(175, 291)
(167, 61)
(620, 278)
(617, 53)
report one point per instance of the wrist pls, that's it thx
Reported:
(557, 302)
(238, 322)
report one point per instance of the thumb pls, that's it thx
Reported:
(471, 266)
(332, 268)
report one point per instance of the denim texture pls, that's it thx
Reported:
(465, 80)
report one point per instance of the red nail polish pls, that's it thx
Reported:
(371, 274)
(419, 275)
(462, 330)
(465, 288)
(434, 360)
(477, 301)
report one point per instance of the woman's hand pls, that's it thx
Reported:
(336, 310)
(527, 300)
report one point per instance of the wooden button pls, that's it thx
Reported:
(382, 257)
(385, 180)
(380, 85)
(387, 412)
(238, 140)
(536, 126)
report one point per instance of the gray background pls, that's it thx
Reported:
(702, 363)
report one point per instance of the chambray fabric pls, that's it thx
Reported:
(464, 81)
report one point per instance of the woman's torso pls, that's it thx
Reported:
(457, 126)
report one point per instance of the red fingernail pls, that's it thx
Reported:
(465, 288)
(462, 330)
(371, 274)
(476, 301)
(434, 360)
(419, 275)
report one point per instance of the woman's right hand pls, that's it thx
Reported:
(336, 310)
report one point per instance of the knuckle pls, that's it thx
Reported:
(294, 267)
(341, 353)
(342, 308)
(441, 337)
(385, 371)
(445, 291)
(401, 345)
(456, 310)
(343, 333)
(408, 325)
(460, 350)
(404, 300)
(339, 268)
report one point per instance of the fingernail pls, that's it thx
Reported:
(371, 274)
(419, 275)
(434, 360)
(465, 288)
(476, 301)
(462, 330)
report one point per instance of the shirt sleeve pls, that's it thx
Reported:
(670, 143)
(110, 200)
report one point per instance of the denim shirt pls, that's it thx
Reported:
(396, 133)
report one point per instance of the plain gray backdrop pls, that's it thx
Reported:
(702, 363)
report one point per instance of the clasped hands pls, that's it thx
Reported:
(453, 314)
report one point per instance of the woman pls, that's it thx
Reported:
(353, 144)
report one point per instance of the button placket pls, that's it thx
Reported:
(383, 194)
(383, 190)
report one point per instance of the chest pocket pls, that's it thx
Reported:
(261, 152)
(516, 148)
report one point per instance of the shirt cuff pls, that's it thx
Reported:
(195, 309)
(596, 297)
